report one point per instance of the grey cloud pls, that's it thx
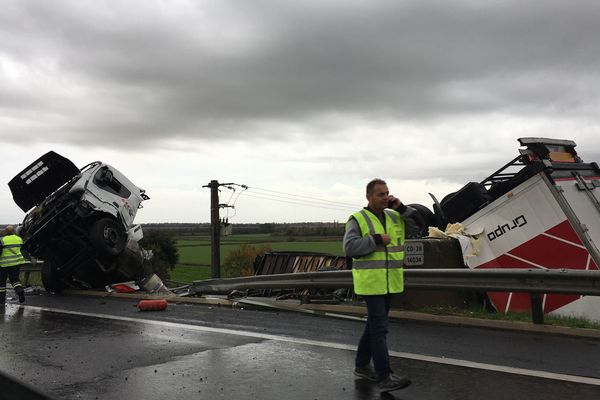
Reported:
(150, 73)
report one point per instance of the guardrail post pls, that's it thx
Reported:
(537, 311)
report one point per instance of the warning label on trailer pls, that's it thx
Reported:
(413, 254)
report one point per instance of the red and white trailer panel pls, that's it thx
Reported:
(551, 220)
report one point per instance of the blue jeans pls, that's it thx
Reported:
(373, 343)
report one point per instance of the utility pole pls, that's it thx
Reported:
(215, 231)
(215, 227)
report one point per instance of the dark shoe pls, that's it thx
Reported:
(20, 292)
(366, 373)
(393, 382)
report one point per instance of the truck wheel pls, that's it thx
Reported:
(107, 237)
(424, 218)
(50, 278)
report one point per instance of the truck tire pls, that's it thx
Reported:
(108, 238)
(50, 278)
(424, 218)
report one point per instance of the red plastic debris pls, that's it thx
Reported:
(152, 305)
(121, 288)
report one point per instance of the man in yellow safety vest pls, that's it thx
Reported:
(374, 238)
(11, 260)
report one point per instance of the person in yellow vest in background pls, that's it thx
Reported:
(11, 260)
(374, 238)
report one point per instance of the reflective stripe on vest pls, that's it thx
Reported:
(11, 251)
(381, 271)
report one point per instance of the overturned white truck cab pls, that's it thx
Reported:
(79, 222)
(541, 210)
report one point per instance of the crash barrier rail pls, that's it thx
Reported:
(533, 281)
(557, 281)
(32, 266)
(27, 268)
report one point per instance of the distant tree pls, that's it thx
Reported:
(266, 228)
(165, 254)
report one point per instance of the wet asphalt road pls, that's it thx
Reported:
(202, 352)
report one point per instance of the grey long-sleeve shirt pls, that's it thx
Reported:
(355, 245)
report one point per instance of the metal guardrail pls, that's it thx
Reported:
(32, 267)
(554, 281)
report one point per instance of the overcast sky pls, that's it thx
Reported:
(304, 100)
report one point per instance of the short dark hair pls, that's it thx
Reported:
(371, 185)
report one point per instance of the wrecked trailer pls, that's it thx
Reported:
(541, 210)
(80, 222)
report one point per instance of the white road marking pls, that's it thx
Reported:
(340, 346)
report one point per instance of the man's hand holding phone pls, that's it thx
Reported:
(393, 202)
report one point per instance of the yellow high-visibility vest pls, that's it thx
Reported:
(380, 272)
(11, 251)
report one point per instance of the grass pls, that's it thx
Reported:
(511, 316)
(189, 273)
(195, 251)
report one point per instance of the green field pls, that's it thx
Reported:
(194, 251)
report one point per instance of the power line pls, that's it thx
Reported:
(302, 196)
(291, 201)
(232, 206)
(277, 196)
(283, 197)
(327, 203)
